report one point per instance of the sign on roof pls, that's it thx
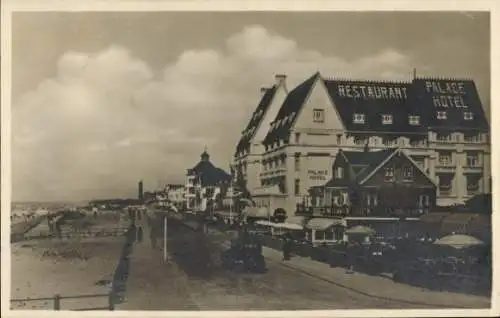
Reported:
(447, 93)
(372, 90)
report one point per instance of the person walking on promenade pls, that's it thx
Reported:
(286, 247)
(152, 236)
(139, 234)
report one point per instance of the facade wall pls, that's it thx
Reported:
(308, 136)
(251, 162)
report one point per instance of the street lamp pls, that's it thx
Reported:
(165, 223)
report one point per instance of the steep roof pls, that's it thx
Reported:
(371, 159)
(413, 106)
(373, 99)
(362, 162)
(255, 121)
(287, 114)
(454, 96)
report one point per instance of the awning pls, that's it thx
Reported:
(264, 223)
(299, 220)
(459, 241)
(360, 229)
(288, 226)
(322, 223)
(255, 212)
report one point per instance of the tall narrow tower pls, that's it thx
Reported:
(141, 192)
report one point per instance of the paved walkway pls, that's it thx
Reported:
(149, 277)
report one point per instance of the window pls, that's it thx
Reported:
(389, 174)
(319, 236)
(445, 158)
(414, 120)
(339, 173)
(297, 187)
(471, 137)
(359, 140)
(445, 184)
(388, 141)
(407, 173)
(420, 161)
(472, 184)
(339, 235)
(297, 138)
(297, 161)
(417, 142)
(329, 235)
(339, 139)
(442, 115)
(319, 115)
(386, 119)
(443, 137)
(359, 118)
(468, 116)
(472, 159)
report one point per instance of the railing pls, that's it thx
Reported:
(56, 299)
(329, 211)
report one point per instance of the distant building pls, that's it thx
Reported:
(204, 181)
(293, 138)
(176, 194)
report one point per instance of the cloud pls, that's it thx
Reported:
(107, 119)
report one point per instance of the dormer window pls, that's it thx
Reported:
(442, 115)
(414, 120)
(443, 137)
(386, 119)
(468, 116)
(319, 115)
(359, 118)
(339, 173)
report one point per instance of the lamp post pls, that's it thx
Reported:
(165, 223)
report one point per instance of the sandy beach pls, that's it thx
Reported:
(43, 268)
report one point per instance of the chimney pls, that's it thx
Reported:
(140, 191)
(280, 80)
(263, 90)
(414, 73)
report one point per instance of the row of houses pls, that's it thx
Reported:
(336, 147)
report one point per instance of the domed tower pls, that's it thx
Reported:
(205, 156)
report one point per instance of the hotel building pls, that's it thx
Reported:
(293, 138)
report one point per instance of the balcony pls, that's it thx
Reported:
(445, 166)
(473, 165)
(444, 192)
(378, 211)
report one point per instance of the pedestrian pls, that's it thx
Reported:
(152, 236)
(139, 234)
(286, 248)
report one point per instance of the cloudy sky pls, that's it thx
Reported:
(101, 100)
